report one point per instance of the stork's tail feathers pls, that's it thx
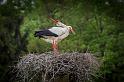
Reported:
(37, 34)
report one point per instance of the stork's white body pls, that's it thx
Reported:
(62, 31)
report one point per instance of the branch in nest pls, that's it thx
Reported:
(48, 67)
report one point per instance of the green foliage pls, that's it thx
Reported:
(11, 42)
(96, 31)
(98, 25)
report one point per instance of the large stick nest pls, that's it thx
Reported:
(46, 67)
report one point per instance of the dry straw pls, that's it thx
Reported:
(46, 67)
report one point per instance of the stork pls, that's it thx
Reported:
(55, 34)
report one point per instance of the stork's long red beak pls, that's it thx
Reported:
(54, 21)
(72, 31)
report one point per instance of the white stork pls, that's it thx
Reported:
(55, 34)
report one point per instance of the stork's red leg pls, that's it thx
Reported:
(55, 47)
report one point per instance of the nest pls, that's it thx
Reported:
(46, 67)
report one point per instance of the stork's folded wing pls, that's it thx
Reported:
(57, 30)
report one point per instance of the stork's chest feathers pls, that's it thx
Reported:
(59, 30)
(65, 30)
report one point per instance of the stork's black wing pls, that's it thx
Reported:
(45, 32)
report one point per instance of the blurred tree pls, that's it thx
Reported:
(98, 25)
(11, 41)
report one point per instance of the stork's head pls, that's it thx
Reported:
(71, 29)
